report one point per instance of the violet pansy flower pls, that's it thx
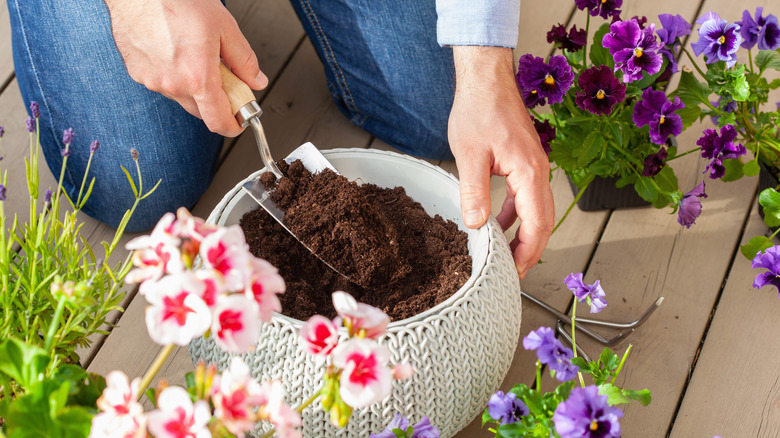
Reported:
(654, 163)
(542, 82)
(763, 31)
(768, 259)
(398, 422)
(718, 148)
(600, 90)
(657, 111)
(605, 8)
(730, 106)
(593, 293)
(573, 40)
(586, 414)
(674, 27)
(506, 408)
(546, 133)
(633, 49)
(552, 353)
(718, 40)
(689, 207)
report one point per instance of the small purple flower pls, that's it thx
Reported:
(674, 27)
(35, 110)
(551, 352)
(506, 408)
(633, 49)
(768, 259)
(540, 81)
(2, 192)
(67, 136)
(573, 40)
(762, 31)
(657, 111)
(47, 196)
(2, 131)
(586, 414)
(398, 422)
(718, 40)
(600, 90)
(728, 107)
(719, 148)
(93, 147)
(689, 208)
(584, 291)
(30, 125)
(134, 154)
(546, 133)
(605, 8)
(65, 152)
(654, 163)
(424, 429)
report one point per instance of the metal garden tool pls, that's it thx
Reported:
(248, 112)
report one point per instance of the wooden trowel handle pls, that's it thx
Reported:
(238, 91)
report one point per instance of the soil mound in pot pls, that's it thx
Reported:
(404, 260)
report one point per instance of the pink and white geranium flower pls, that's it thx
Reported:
(263, 284)
(166, 231)
(177, 313)
(365, 376)
(319, 335)
(214, 285)
(178, 417)
(360, 316)
(154, 262)
(193, 228)
(285, 419)
(121, 416)
(236, 396)
(236, 323)
(226, 251)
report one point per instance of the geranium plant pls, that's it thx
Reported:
(573, 408)
(612, 113)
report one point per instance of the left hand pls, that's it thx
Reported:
(491, 133)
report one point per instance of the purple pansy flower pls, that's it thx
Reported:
(762, 31)
(398, 422)
(689, 208)
(674, 27)
(586, 414)
(584, 291)
(35, 110)
(93, 147)
(539, 81)
(654, 163)
(2, 192)
(552, 353)
(729, 107)
(633, 49)
(718, 40)
(719, 148)
(605, 8)
(768, 259)
(546, 133)
(423, 429)
(506, 408)
(47, 196)
(657, 111)
(30, 125)
(573, 40)
(600, 90)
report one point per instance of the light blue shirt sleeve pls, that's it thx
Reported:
(478, 22)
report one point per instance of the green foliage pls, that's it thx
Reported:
(598, 54)
(768, 59)
(754, 245)
(770, 201)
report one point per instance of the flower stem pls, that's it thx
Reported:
(622, 361)
(54, 321)
(573, 337)
(573, 203)
(539, 377)
(585, 47)
(750, 58)
(684, 154)
(695, 65)
(162, 356)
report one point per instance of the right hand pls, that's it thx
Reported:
(174, 47)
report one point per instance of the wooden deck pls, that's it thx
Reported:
(710, 354)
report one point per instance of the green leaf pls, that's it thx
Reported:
(734, 169)
(24, 363)
(130, 178)
(599, 55)
(591, 147)
(642, 396)
(689, 115)
(666, 179)
(614, 394)
(770, 200)
(691, 91)
(756, 244)
(767, 59)
(774, 84)
(751, 168)
(648, 80)
(736, 84)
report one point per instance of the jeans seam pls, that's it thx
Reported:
(329, 56)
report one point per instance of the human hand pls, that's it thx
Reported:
(491, 133)
(174, 47)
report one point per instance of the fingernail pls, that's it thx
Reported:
(262, 80)
(473, 218)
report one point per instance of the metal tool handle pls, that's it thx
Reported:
(247, 112)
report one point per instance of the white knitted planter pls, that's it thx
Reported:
(461, 349)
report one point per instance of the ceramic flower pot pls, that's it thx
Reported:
(461, 349)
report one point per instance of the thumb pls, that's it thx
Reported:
(475, 189)
(239, 56)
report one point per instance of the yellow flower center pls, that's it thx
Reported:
(600, 94)
(594, 426)
(722, 39)
(663, 119)
(603, 1)
(534, 91)
(638, 52)
(549, 80)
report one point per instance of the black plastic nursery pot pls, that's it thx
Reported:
(601, 194)
(766, 179)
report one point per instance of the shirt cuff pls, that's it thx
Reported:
(478, 22)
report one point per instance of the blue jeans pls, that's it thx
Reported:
(385, 71)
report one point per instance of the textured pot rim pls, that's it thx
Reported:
(235, 194)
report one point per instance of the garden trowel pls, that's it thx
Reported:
(248, 112)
